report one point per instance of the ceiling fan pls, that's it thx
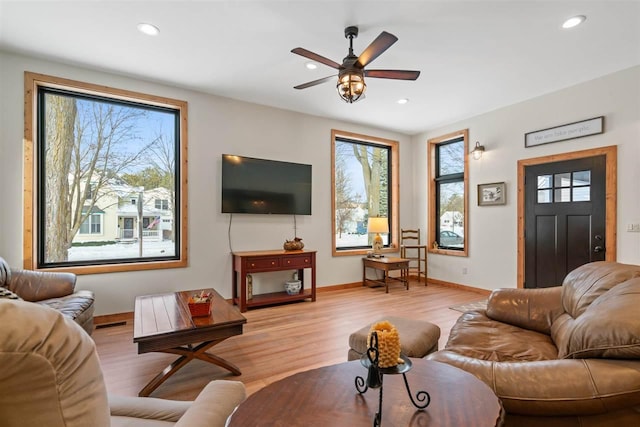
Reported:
(351, 72)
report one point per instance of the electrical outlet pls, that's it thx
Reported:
(633, 228)
(464, 270)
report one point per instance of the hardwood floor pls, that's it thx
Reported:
(278, 341)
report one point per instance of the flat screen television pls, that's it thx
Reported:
(260, 186)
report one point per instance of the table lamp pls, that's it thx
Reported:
(377, 225)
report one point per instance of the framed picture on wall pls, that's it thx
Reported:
(492, 194)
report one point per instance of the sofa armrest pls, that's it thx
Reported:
(533, 309)
(37, 285)
(215, 403)
(149, 408)
(566, 387)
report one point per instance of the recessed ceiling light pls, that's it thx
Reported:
(148, 29)
(574, 21)
(311, 65)
(402, 101)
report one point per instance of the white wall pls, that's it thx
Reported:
(219, 125)
(216, 125)
(493, 229)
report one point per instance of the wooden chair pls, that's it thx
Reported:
(411, 249)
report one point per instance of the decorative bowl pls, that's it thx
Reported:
(293, 287)
(293, 245)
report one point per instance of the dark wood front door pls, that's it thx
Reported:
(564, 218)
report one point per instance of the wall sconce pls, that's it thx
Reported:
(477, 151)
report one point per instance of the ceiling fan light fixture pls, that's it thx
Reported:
(402, 101)
(351, 86)
(351, 72)
(311, 65)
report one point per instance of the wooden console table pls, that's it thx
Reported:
(274, 260)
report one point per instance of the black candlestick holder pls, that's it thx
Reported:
(375, 378)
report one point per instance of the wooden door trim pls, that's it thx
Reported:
(611, 198)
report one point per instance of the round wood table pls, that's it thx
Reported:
(328, 397)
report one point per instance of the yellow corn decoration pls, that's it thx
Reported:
(388, 343)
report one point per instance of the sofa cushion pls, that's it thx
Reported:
(608, 328)
(476, 335)
(586, 283)
(581, 288)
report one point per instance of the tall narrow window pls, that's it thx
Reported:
(448, 193)
(102, 156)
(365, 183)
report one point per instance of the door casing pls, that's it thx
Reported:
(611, 155)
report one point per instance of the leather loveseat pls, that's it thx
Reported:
(562, 356)
(53, 289)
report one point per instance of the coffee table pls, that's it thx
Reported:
(328, 397)
(163, 323)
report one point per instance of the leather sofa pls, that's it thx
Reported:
(561, 356)
(53, 289)
(51, 377)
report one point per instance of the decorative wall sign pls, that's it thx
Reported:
(560, 133)
(492, 194)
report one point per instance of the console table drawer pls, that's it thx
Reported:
(262, 263)
(398, 265)
(298, 261)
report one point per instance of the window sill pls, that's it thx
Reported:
(451, 252)
(352, 252)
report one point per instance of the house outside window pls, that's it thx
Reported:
(448, 194)
(364, 184)
(102, 157)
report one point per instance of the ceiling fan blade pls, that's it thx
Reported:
(315, 57)
(393, 74)
(315, 82)
(376, 48)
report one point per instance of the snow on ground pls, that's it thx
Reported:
(122, 250)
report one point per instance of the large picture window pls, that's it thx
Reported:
(448, 193)
(97, 161)
(364, 185)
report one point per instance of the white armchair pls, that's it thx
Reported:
(51, 377)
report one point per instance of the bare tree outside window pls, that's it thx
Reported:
(363, 174)
(104, 160)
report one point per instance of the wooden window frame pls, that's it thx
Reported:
(32, 82)
(394, 223)
(433, 215)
